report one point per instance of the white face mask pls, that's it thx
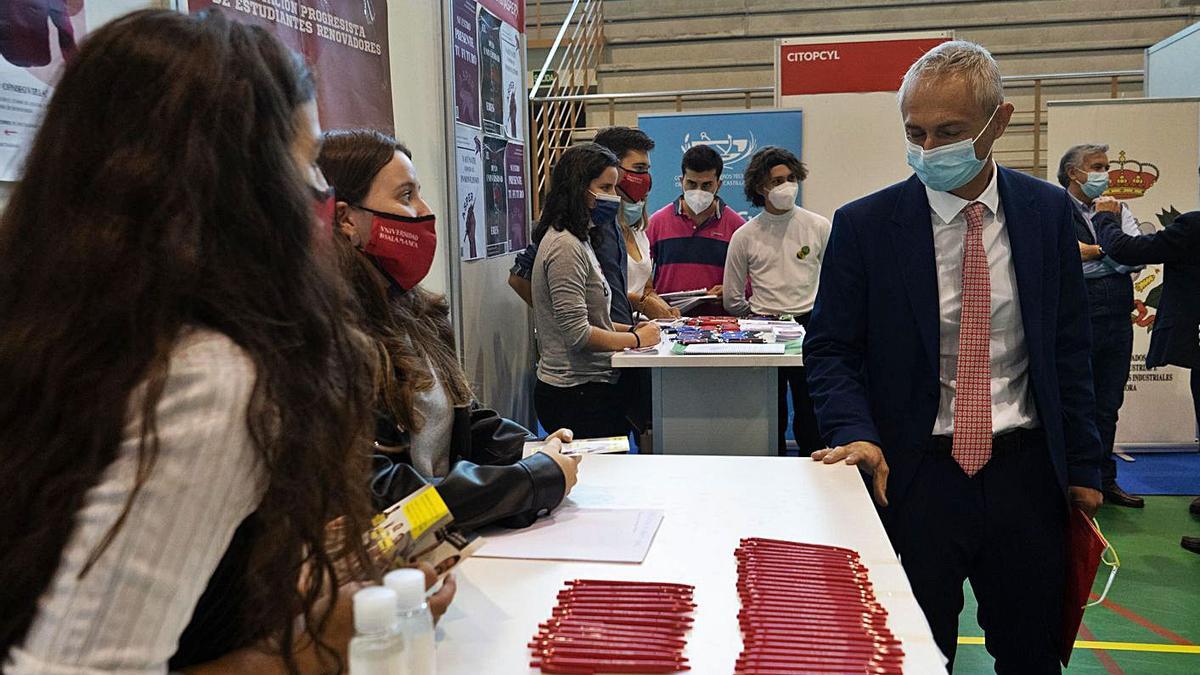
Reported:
(698, 200)
(783, 197)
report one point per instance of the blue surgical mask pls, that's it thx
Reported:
(632, 212)
(605, 210)
(1096, 184)
(950, 166)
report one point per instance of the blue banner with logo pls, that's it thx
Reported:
(736, 136)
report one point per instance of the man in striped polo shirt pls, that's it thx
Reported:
(690, 236)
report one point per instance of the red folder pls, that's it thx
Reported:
(1085, 545)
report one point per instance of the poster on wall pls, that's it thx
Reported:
(466, 63)
(1152, 169)
(736, 136)
(345, 42)
(36, 38)
(510, 50)
(514, 170)
(489, 111)
(491, 73)
(468, 156)
(495, 192)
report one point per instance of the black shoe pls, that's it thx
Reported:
(1195, 507)
(1191, 543)
(1114, 495)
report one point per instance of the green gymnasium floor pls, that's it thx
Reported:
(1150, 623)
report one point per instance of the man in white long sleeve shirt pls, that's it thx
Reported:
(779, 253)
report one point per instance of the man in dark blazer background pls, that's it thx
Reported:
(1176, 336)
(948, 357)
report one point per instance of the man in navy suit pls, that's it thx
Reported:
(948, 358)
(1176, 336)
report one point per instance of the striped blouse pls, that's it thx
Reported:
(126, 615)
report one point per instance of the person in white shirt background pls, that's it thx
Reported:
(779, 253)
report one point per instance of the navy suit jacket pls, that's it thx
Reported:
(1176, 335)
(872, 347)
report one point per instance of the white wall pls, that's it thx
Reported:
(853, 145)
(1171, 65)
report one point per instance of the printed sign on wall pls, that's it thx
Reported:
(850, 64)
(736, 136)
(489, 104)
(468, 154)
(345, 42)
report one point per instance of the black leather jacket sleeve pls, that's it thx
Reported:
(488, 482)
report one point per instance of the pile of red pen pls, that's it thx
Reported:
(808, 608)
(615, 627)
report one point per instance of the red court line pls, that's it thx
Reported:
(1102, 656)
(1143, 622)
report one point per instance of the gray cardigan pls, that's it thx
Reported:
(570, 296)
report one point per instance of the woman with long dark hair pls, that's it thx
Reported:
(577, 385)
(429, 427)
(185, 401)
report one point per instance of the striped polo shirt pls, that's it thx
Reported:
(686, 256)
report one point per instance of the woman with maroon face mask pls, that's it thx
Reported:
(429, 427)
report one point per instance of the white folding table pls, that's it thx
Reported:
(712, 404)
(710, 504)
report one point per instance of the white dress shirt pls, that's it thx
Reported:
(781, 255)
(1012, 402)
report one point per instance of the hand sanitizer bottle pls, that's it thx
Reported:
(413, 620)
(377, 647)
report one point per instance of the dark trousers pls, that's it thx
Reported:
(1196, 395)
(1112, 343)
(635, 387)
(1004, 530)
(804, 424)
(592, 410)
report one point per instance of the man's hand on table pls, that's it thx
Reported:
(868, 457)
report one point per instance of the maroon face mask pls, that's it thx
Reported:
(403, 247)
(635, 184)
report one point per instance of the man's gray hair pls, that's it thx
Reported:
(959, 57)
(1073, 159)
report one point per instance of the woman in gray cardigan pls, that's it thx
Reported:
(577, 385)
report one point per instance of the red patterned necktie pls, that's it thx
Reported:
(973, 391)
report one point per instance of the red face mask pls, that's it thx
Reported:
(402, 246)
(635, 184)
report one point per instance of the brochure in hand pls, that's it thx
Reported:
(616, 445)
(420, 528)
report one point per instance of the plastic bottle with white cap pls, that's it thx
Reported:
(413, 620)
(377, 647)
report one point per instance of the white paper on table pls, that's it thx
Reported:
(573, 533)
(736, 348)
